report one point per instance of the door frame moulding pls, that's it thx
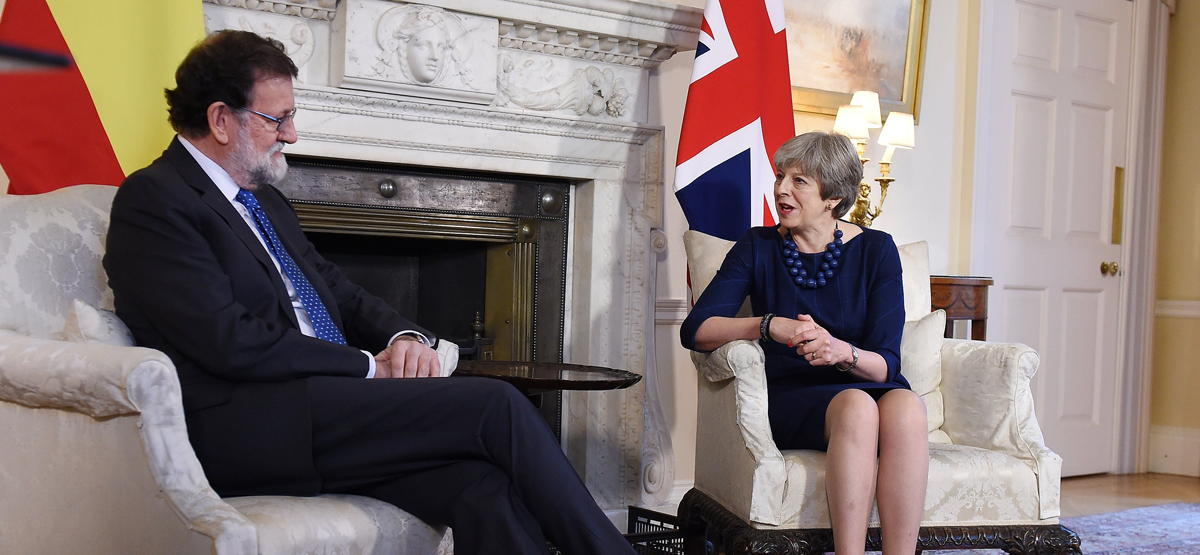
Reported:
(1135, 328)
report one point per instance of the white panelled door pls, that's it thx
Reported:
(1056, 92)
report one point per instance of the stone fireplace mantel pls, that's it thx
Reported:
(543, 88)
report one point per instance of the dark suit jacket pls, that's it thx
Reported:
(190, 279)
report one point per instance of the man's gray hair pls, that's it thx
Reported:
(829, 158)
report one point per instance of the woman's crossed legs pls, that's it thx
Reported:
(857, 428)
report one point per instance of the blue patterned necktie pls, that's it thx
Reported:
(316, 310)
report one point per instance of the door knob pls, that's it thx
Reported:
(1109, 268)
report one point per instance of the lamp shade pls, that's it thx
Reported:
(851, 122)
(870, 102)
(898, 131)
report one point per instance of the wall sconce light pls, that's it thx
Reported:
(870, 103)
(898, 133)
(853, 121)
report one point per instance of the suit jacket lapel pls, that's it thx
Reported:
(194, 176)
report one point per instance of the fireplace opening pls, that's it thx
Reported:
(440, 285)
(444, 246)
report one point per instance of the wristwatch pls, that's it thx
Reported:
(415, 336)
(853, 363)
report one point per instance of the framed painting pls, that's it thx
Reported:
(837, 48)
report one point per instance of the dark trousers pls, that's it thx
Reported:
(470, 453)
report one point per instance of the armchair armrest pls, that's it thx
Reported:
(105, 381)
(87, 377)
(737, 461)
(731, 359)
(988, 404)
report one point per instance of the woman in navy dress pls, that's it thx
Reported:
(829, 309)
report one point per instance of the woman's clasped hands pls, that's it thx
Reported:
(811, 341)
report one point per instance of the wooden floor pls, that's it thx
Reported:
(1106, 493)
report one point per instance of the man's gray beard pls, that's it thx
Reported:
(270, 172)
(259, 171)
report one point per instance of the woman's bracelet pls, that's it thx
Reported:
(764, 328)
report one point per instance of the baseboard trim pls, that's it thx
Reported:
(1175, 450)
(1177, 309)
(678, 490)
(671, 504)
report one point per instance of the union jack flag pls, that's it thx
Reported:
(739, 110)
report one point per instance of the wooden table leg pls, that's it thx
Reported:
(979, 329)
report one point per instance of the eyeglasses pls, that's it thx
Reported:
(281, 121)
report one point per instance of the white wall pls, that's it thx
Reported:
(919, 205)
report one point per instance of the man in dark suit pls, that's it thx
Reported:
(273, 345)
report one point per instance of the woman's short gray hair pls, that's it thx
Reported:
(829, 158)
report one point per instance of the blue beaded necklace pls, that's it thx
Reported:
(791, 259)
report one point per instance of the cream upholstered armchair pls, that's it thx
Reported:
(992, 481)
(95, 455)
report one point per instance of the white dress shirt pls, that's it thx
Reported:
(229, 188)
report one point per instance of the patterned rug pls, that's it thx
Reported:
(1172, 529)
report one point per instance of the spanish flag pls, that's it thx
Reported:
(105, 116)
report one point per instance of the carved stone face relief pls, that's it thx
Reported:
(426, 50)
(426, 43)
(414, 50)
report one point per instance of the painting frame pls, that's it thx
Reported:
(817, 101)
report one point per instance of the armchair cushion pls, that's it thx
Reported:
(966, 485)
(87, 323)
(914, 263)
(921, 363)
(339, 524)
(50, 250)
(705, 255)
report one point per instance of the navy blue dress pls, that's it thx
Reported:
(863, 304)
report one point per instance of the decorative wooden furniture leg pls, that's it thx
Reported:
(1045, 540)
(738, 537)
(702, 516)
(695, 531)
